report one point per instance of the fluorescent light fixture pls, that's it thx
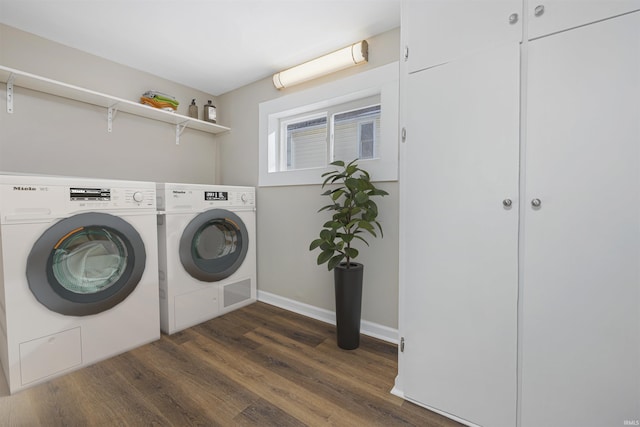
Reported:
(357, 53)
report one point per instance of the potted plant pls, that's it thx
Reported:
(355, 214)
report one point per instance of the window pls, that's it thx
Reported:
(303, 144)
(356, 117)
(356, 134)
(336, 133)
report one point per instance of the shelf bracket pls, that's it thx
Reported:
(179, 129)
(111, 114)
(10, 93)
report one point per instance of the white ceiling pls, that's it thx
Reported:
(211, 45)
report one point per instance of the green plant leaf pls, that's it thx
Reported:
(316, 243)
(351, 252)
(379, 228)
(360, 238)
(331, 176)
(326, 246)
(330, 207)
(336, 194)
(352, 162)
(347, 238)
(324, 256)
(361, 197)
(332, 224)
(337, 177)
(378, 192)
(335, 261)
(373, 207)
(337, 163)
(326, 235)
(367, 226)
(351, 184)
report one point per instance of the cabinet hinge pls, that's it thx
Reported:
(402, 345)
(406, 53)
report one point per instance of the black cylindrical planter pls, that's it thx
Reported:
(348, 285)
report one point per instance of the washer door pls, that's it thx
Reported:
(213, 245)
(86, 264)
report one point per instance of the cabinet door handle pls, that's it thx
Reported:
(507, 203)
(513, 18)
(536, 203)
(539, 10)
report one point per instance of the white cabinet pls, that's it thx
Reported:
(581, 266)
(529, 314)
(461, 248)
(444, 30)
(552, 16)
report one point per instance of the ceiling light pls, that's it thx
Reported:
(357, 53)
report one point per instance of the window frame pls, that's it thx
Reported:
(381, 81)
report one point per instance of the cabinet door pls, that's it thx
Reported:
(551, 16)
(581, 267)
(439, 31)
(459, 246)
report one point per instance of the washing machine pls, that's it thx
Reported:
(207, 252)
(78, 273)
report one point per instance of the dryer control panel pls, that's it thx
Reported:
(197, 197)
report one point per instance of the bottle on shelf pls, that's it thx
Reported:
(210, 112)
(193, 109)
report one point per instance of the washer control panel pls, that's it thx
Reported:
(103, 197)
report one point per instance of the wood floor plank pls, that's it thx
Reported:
(310, 409)
(332, 386)
(256, 366)
(160, 391)
(219, 397)
(361, 378)
(262, 413)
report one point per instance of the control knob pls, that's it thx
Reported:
(138, 196)
(244, 197)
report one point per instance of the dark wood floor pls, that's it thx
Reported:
(257, 366)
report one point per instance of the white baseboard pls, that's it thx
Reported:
(397, 390)
(371, 329)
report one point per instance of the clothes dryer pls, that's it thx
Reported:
(78, 273)
(207, 252)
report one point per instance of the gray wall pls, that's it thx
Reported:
(52, 135)
(287, 218)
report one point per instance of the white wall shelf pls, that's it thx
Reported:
(12, 77)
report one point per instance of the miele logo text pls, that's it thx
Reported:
(19, 188)
(179, 192)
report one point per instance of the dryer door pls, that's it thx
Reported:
(214, 245)
(86, 264)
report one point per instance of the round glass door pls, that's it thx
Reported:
(89, 260)
(86, 264)
(214, 245)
